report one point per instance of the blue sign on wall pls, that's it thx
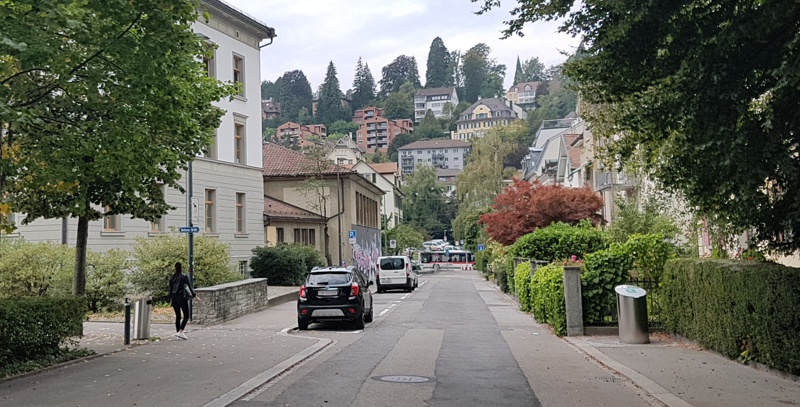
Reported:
(481, 247)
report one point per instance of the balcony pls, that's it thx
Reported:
(604, 180)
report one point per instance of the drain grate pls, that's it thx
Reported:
(610, 379)
(403, 379)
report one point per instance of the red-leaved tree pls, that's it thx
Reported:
(524, 206)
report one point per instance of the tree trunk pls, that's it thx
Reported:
(327, 247)
(79, 277)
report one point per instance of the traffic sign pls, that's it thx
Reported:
(187, 229)
(351, 236)
(393, 244)
(481, 247)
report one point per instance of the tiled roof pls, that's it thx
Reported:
(279, 160)
(435, 91)
(448, 172)
(436, 143)
(494, 105)
(384, 168)
(277, 208)
(520, 85)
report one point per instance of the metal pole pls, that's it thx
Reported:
(64, 230)
(127, 321)
(189, 212)
(339, 210)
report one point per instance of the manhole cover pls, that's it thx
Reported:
(403, 379)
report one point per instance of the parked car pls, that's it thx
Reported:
(334, 293)
(395, 272)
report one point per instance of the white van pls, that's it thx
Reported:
(395, 273)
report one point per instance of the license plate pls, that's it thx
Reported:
(332, 292)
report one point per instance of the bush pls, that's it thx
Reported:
(560, 241)
(284, 264)
(36, 269)
(106, 284)
(502, 270)
(522, 284)
(742, 309)
(155, 258)
(650, 253)
(602, 271)
(547, 298)
(36, 327)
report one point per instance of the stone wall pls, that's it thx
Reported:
(224, 302)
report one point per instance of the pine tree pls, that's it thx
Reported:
(438, 61)
(329, 101)
(363, 86)
(518, 74)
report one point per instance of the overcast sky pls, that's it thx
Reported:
(312, 33)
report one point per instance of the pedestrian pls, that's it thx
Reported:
(180, 292)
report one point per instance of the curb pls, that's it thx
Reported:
(643, 382)
(281, 299)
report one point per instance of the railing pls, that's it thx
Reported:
(609, 179)
(653, 298)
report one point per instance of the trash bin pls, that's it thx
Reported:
(142, 309)
(632, 314)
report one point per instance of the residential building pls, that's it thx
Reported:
(227, 201)
(270, 109)
(435, 100)
(344, 151)
(287, 223)
(438, 153)
(388, 179)
(523, 94)
(376, 133)
(361, 115)
(447, 180)
(485, 114)
(303, 135)
(347, 201)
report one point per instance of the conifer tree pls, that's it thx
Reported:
(329, 101)
(363, 86)
(438, 61)
(518, 74)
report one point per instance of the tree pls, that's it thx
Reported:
(294, 95)
(407, 237)
(316, 190)
(343, 127)
(483, 77)
(429, 128)
(363, 87)
(400, 140)
(400, 104)
(532, 71)
(524, 207)
(647, 218)
(424, 203)
(713, 87)
(304, 116)
(105, 83)
(454, 73)
(519, 75)
(438, 62)
(270, 90)
(403, 69)
(329, 103)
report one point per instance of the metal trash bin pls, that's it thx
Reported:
(632, 314)
(142, 308)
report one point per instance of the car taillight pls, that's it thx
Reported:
(303, 291)
(353, 290)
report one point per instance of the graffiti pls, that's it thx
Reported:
(366, 250)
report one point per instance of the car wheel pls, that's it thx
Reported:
(368, 317)
(359, 322)
(302, 324)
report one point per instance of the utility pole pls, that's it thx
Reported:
(339, 211)
(189, 216)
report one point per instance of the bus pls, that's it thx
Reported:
(435, 260)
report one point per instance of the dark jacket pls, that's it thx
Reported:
(177, 284)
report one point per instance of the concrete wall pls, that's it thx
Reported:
(225, 302)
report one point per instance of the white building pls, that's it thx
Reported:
(227, 184)
(435, 100)
(439, 153)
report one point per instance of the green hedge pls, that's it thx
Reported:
(559, 241)
(522, 284)
(284, 264)
(743, 309)
(36, 327)
(547, 298)
(602, 271)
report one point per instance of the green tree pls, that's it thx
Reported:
(400, 104)
(343, 127)
(438, 62)
(648, 217)
(329, 103)
(533, 71)
(105, 83)
(106, 283)
(400, 140)
(406, 236)
(270, 90)
(402, 70)
(363, 86)
(294, 95)
(424, 203)
(519, 74)
(429, 127)
(483, 77)
(304, 116)
(455, 73)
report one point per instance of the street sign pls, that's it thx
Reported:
(351, 236)
(187, 229)
(481, 247)
(393, 244)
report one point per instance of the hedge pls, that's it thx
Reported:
(743, 309)
(522, 284)
(602, 271)
(36, 327)
(559, 241)
(284, 264)
(547, 298)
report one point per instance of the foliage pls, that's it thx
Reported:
(650, 253)
(560, 241)
(647, 219)
(106, 284)
(524, 207)
(400, 140)
(501, 268)
(603, 270)
(294, 95)
(377, 157)
(429, 128)
(64, 355)
(407, 237)
(400, 104)
(742, 309)
(35, 269)
(753, 253)
(342, 127)
(522, 285)
(483, 77)
(400, 71)
(329, 102)
(363, 87)
(269, 90)
(284, 264)
(530, 71)
(154, 262)
(438, 61)
(37, 327)
(547, 298)
(466, 227)
(424, 203)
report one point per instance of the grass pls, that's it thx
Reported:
(14, 368)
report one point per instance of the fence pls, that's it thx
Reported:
(609, 314)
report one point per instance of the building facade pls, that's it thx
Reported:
(485, 114)
(301, 134)
(438, 153)
(227, 201)
(375, 132)
(523, 93)
(270, 109)
(436, 100)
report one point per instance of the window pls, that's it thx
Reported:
(243, 267)
(305, 236)
(209, 62)
(280, 235)
(211, 220)
(238, 143)
(238, 73)
(110, 222)
(240, 213)
(419, 151)
(455, 158)
(211, 148)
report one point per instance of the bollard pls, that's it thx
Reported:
(127, 321)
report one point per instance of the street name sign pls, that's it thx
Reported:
(187, 229)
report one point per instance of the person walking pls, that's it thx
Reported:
(180, 292)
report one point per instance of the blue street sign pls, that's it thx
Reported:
(481, 247)
(187, 229)
(351, 234)
(447, 252)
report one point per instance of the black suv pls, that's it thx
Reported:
(334, 293)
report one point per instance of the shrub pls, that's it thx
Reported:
(36, 269)
(522, 284)
(155, 258)
(106, 284)
(284, 264)
(742, 309)
(560, 241)
(603, 270)
(502, 270)
(650, 253)
(547, 298)
(35, 327)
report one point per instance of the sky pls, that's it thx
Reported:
(311, 33)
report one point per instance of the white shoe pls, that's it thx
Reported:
(182, 336)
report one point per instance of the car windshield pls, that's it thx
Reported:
(392, 263)
(329, 278)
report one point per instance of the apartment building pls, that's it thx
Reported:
(302, 134)
(523, 94)
(438, 153)
(270, 109)
(227, 201)
(436, 100)
(375, 132)
(485, 114)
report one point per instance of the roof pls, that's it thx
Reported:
(276, 208)
(384, 168)
(494, 104)
(522, 84)
(253, 23)
(279, 160)
(436, 143)
(448, 172)
(435, 91)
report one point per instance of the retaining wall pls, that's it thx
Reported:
(224, 302)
